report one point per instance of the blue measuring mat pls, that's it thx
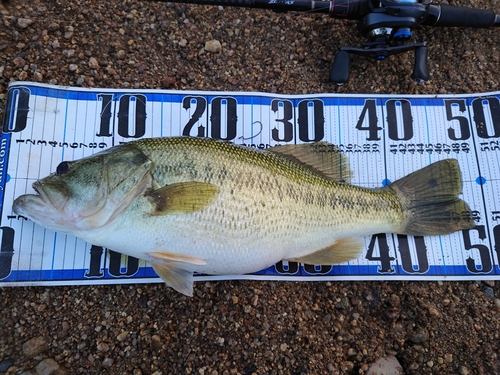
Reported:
(384, 137)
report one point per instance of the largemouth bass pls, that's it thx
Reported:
(199, 205)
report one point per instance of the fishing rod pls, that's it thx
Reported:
(387, 24)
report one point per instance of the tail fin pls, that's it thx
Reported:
(429, 200)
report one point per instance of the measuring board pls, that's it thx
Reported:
(385, 137)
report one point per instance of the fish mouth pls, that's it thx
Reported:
(37, 186)
(47, 200)
(52, 193)
(29, 205)
(46, 207)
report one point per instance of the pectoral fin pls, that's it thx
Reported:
(177, 278)
(182, 197)
(341, 251)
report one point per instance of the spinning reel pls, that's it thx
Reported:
(387, 24)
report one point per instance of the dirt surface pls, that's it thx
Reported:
(239, 327)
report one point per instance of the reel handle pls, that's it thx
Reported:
(420, 70)
(340, 69)
(444, 15)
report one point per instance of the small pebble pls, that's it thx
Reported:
(420, 336)
(35, 346)
(50, 367)
(68, 52)
(488, 291)
(462, 370)
(23, 75)
(347, 366)
(54, 26)
(342, 303)
(107, 362)
(19, 62)
(497, 303)
(122, 336)
(213, 46)
(70, 30)
(93, 63)
(433, 312)
(6, 364)
(394, 300)
(386, 366)
(156, 342)
(23, 23)
(102, 346)
(413, 366)
(168, 82)
(81, 345)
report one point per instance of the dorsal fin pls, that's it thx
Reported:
(322, 157)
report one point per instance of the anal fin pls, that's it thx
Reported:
(341, 251)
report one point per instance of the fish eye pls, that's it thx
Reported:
(63, 168)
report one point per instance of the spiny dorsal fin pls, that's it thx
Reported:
(341, 251)
(322, 157)
(182, 197)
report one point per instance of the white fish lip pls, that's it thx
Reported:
(27, 204)
(43, 203)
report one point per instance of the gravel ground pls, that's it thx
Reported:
(239, 327)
